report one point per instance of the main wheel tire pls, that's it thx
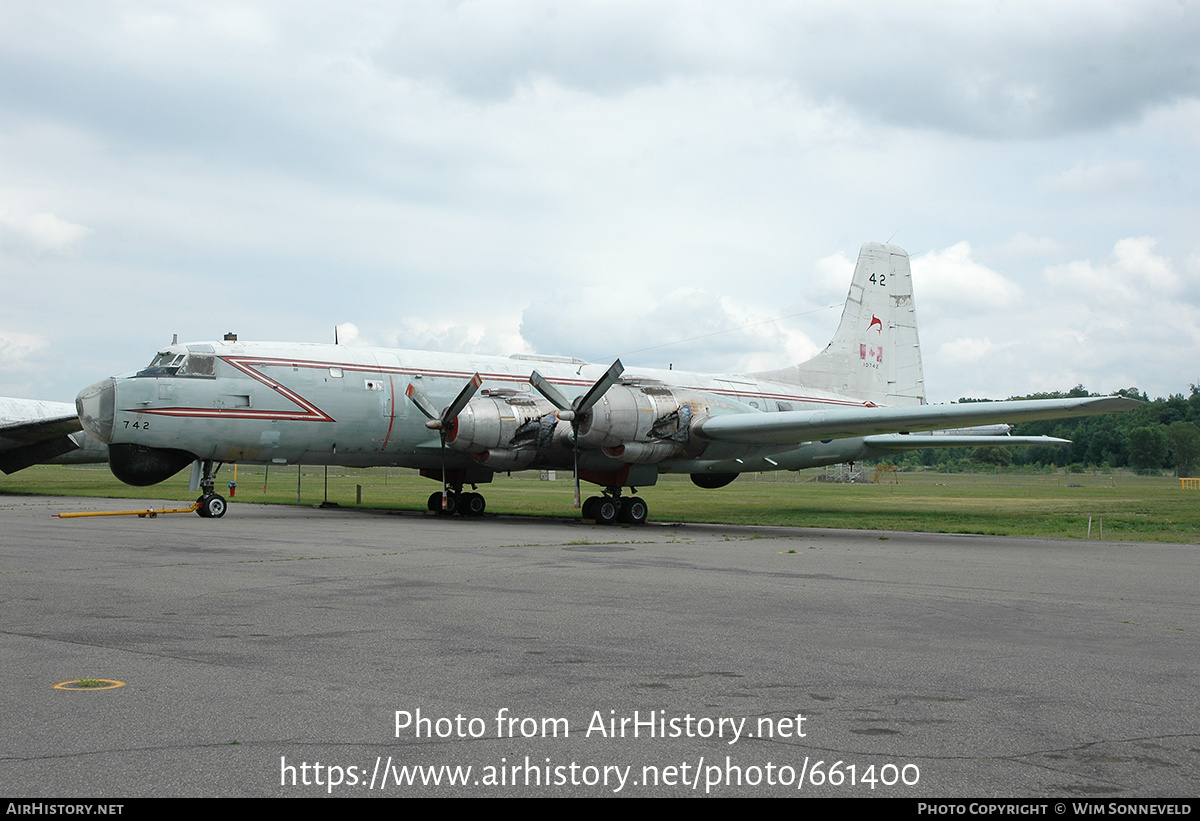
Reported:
(214, 505)
(606, 511)
(453, 503)
(589, 507)
(435, 502)
(202, 510)
(473, 504)
(634, 510)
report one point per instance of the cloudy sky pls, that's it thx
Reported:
(603, 178)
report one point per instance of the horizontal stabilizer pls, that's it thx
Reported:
(792, 427)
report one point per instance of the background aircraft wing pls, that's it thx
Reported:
(922, 441)
(793, 427)
(35, 432)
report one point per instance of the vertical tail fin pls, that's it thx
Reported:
(875, 355)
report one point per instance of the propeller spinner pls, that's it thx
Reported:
(445, 421)
(575, 412)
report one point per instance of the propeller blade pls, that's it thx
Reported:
(418, 399)
(597, 391)
(464, 396)
(549, 391)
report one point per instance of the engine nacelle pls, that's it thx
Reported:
(503, 423)
(638, 414)
(506, 459)
(643, 453)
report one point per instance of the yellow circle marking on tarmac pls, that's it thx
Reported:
(89, 684)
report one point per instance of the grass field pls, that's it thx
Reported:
(1055, 504)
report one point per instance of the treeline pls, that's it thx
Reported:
(1164, 434)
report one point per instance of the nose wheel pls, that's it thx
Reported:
(210, 505)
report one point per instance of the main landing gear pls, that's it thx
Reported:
(464, 504)
(612, 508)
(211, 504)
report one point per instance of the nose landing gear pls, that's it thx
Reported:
(211, 504)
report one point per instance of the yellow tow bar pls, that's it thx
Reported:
(141, 514)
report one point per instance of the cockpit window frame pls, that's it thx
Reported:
(202, 365)
(190, 364)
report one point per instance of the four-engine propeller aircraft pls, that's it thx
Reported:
(460, 418)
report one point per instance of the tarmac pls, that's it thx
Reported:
(290, 651)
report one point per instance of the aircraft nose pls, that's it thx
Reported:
(96, 406)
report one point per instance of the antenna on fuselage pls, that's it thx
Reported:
(174, 339)
(335, 338)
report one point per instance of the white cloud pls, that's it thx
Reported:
(455, 337)
(42, 231)
(1128, 320)
(687, 328)
(951, 281)
(1134, 274)
(18, 349)
(347, 333)
(831, 277)
(970, 69)
(1022, 244)
(967, 351)
(1100, 178)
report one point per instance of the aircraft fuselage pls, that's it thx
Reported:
(270, 403)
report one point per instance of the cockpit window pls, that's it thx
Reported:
(167, 359)
(165, 363)
(171, 363)
(199, 364)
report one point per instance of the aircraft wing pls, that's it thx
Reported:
(36, 432)
(793, 427)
